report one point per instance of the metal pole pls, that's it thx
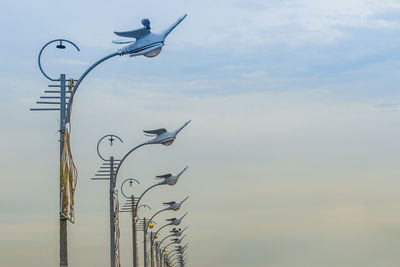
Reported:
(144, 242)
(152, 249)
(134, 242)
(156, 256)
(63, 220)
(112, 227)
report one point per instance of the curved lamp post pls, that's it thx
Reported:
(168, 179)
(173, 221)
(178, 250)
(113, 198)
(133, 210)
(164, 138)
(169, 257)
(147, 44)
(174, 232)
(172, 205)
(174, 241)
(114, 167)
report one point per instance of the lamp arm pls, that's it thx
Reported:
(83, 77)
(174, 252)
(173, 242)
(126, 155)
(162, 227)
(164, 239)
(152, 219)
(137, 203)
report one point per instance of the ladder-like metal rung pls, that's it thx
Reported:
(43, 109)
(52, 97)
(105, 167)
(124, 211)
(100, 178)
(129, 200)
(42, 102)
(54, 91)
(103, 174)
(103, 171)
(54, 85)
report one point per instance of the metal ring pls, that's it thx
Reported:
(40, 54)
(143, 205)
(130, 179)
(98, 144)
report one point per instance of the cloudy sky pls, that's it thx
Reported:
(292, 150)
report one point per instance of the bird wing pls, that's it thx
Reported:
(156, 132)
(185, 199)
(122, 41)
(139, 33)
(164, 176)
(169, 203)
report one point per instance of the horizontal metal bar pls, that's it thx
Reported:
(52, 97)
(105, 167)
(100, 178)
(125, 211)
(103, 171)
(54, 85)
(42, 102)
(101, 174)
(43, 109)
(52, 91)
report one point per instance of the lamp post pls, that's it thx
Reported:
(165, 138)
(179, 249)
(167, 179)
(172, 205)
(133, 210)
(175, 232)
(108, 174)
(172, 221)
(149, 46)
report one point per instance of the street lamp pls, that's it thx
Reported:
(172, 221)
(172, 205)
(114, 167)
(168, 179)
(149, 45)
(179, 250)
(175, 232)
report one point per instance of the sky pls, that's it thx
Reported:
(292, 149)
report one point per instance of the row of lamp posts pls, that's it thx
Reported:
(59, 97)
(112, 166)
